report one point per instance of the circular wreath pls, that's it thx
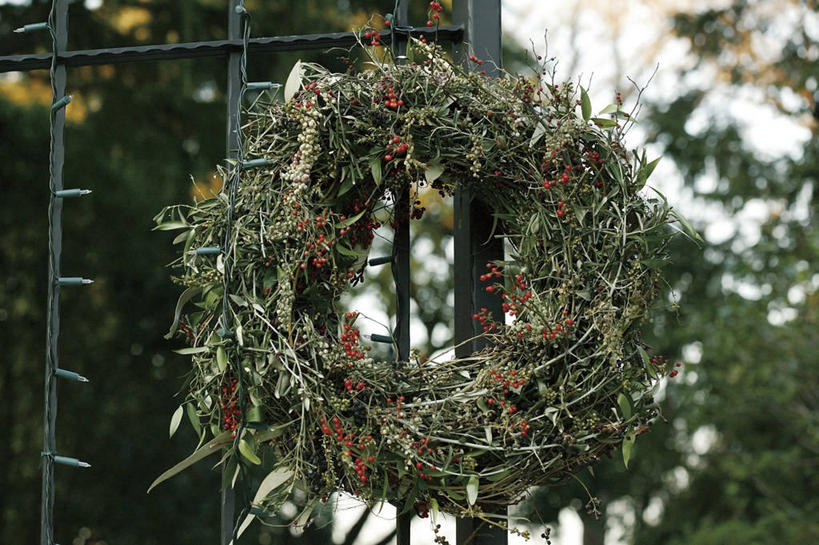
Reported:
(561, 383)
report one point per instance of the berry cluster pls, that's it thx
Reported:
(392, 100)
(340, 436)
(395, 146)
(485, 318)
(231, 413)
(434, 9)
(374, 37)
(349, 340)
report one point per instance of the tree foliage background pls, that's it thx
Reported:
(737, 460)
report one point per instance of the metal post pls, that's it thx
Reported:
(59, 25)
(234, 88)
(401, 268)
(474, 246)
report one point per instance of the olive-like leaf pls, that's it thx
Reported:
(293, 83)
(472, 490)
(175, 420)
(585, 104)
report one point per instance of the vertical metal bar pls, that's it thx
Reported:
(401, 268)
(59, 26)
(234, 87)
(474, 243)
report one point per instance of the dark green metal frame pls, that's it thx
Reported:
(474, 244)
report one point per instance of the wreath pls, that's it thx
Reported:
(285, 378)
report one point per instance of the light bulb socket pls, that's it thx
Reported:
(383, 260)
(71, 193)
(73, 281)
(254, 163)
(70, 375)
(70, 462)
(376, 338)
(31, 27)
(62, 103)
(261, 85)
(207, 250)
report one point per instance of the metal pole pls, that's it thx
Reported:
(401, 267)
(473, 246)
(234, 88)
(59, 27)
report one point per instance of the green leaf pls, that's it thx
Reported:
(171, 226)
(540, 130)
(610, 109)
(274, 480)
(192, 350)
(604, 123)
(375, 169)
(249, 452)
(580, 212)
(211, 447)
(175, 420)
(625, 406)
(644, 172)
(628, 444)
(433, 171)
(585, 104)
(482, 405)
(687, 228)
(293, 83)
(433, 504)
(472, 490)
(644, 356)
(194, 418)
(221, 359)
(186, 296)
(346, 185)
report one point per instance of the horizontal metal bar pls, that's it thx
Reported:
(216, 48)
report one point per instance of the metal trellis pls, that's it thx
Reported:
(474, 240)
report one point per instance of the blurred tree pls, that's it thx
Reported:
(737, 462)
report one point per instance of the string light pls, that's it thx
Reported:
(262, 85)
(70, 462)
(386, 339)
(73, 281)
(62, 103)
(32, 27)
(253, 163)
(383, 260)
(70, 375)
(71, 193)
(207, 250)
